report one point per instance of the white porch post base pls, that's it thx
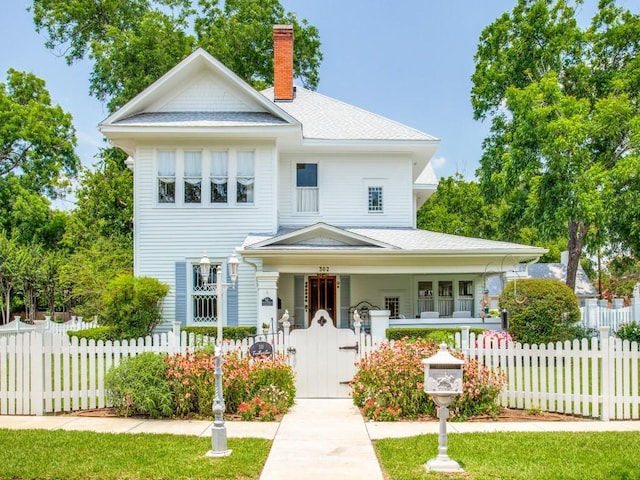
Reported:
(379, 324)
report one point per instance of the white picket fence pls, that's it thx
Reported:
(590, 377)
(46, 372)
(596, 316)
(18, 326)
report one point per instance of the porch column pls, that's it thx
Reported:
(379, 324)
(267, 299)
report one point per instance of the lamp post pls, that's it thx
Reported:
(218, 429)
(443, 381)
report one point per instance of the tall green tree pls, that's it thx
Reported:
(134, 42)
(458, 208)
(104, 202)
(37, 138)
(563, 105)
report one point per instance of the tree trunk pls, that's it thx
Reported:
(577, 232)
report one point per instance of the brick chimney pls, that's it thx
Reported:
(283, 63)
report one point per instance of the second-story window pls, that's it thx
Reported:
(245, 178)
(307, 187)
(375, 200)
(166, 176)
(192, 177)
(219, 177)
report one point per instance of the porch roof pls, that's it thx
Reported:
(388, 239)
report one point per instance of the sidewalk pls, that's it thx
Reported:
(317, 439)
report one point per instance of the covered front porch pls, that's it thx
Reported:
(417, 276)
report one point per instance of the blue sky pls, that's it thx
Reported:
(408, 60)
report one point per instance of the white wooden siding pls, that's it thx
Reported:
(208, 93)
(342, 181)
(167, 234)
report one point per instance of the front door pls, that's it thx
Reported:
(322, 296)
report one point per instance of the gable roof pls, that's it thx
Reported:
(198, 91)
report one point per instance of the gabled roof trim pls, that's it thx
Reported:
(319, 227)
(133, 105)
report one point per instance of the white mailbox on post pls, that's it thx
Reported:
(443, 381)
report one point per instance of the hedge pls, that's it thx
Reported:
(438, 334)
(228, 333)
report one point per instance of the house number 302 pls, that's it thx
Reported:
(323, 269)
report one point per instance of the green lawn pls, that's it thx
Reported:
(43, 454)
(515, 456)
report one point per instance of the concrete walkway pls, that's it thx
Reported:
(317, 439)
(322, 439)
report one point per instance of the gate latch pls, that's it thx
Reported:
(351, 347)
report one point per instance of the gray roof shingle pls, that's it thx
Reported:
(326, 118)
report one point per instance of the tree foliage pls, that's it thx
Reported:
(134, 42)
(104, 202)
(563, 105)
(37, 138)
(458, 208)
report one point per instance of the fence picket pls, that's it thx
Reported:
(44, 371)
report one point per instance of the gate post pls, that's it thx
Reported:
(379, 324)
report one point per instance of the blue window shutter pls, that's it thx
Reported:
(181, 292)
(345, 300)
(232, 305)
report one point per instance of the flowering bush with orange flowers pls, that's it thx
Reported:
(264, 387)
(389, 384)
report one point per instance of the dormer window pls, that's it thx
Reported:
(166, 176)
(307, 187)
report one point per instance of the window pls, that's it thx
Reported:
(307, 187)
(375, 199)
(219, 177)
(192, 177)
(393, 305)
(166, 176)
(245, 177)
(203, 298)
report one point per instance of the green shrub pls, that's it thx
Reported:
(389, 384)
(248, 383)
(133, 304)
(139, 385)
(629, 331)
(437, 334)
(103, 333)
(541, 311)
(228, 333)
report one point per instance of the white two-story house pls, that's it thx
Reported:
(316, 197)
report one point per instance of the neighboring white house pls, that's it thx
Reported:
(584, 289)
(318, 199)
